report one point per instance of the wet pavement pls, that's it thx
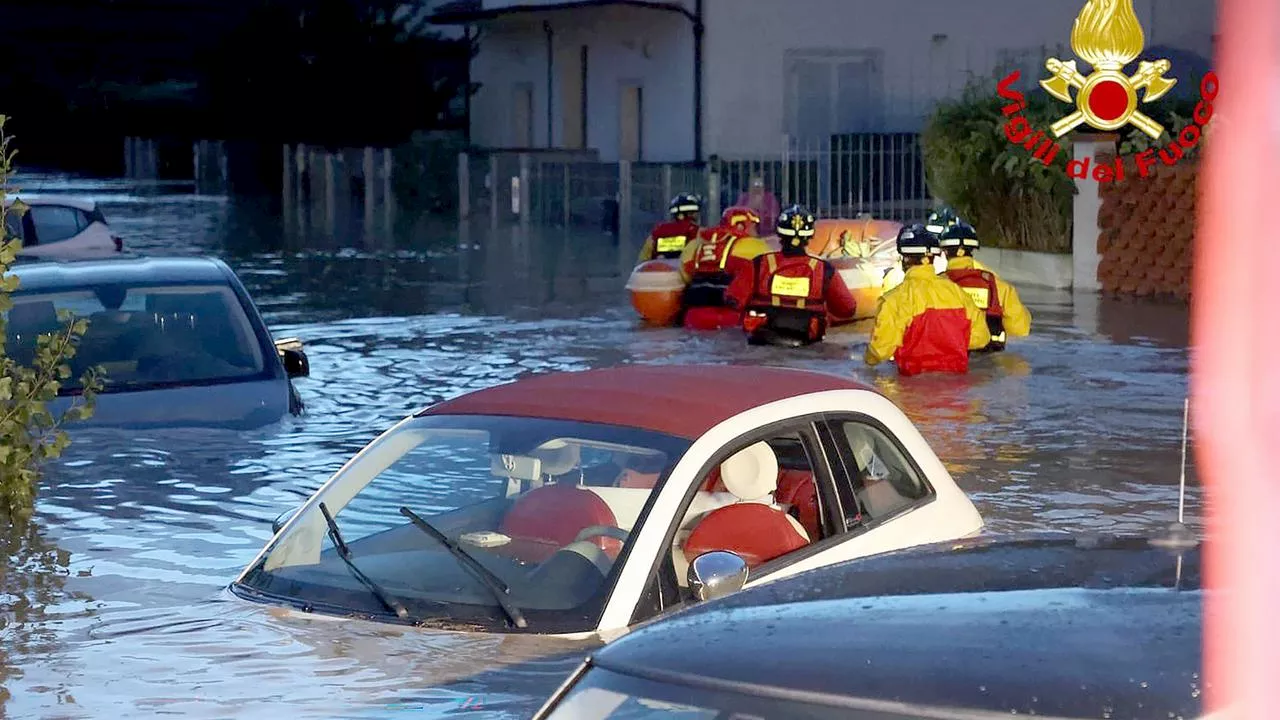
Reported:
(117, 607)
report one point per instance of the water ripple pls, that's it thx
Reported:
(1075, 428)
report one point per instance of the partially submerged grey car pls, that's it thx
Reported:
(1047, 626)
(179, 339)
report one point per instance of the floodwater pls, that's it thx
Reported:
(114, 606)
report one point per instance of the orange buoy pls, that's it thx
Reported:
(657, 291)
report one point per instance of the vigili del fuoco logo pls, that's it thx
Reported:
(1108, 36)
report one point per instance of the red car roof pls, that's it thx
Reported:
(680, 400)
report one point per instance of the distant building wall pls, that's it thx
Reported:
(810, 68)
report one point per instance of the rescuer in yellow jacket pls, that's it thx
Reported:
(1006, 315)
(927, 323)
(940, 220)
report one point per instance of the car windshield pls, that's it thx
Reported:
(143, 335)
(546, 507)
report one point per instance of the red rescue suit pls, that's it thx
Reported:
(712, 270)
(669, 238)
(787, 298)
(981, 286)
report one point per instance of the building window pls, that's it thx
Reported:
(573, 100)
(522, 115)
(631, 122)
(1029, 61)
(830, 92)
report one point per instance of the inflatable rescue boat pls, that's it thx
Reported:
(863, 251)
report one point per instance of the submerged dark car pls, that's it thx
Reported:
(1047, 626)
(179, 340)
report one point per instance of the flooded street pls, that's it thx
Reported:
(118, 608)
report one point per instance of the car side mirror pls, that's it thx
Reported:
(716, 574)
(282, 519)
(293, 357)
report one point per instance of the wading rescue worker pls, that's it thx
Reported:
(669, 238)
(788, 297)
(1006, 315)
(928, 323)
(709, 265)
(939, 220)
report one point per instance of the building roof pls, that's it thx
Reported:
(995, 625)
(680, 400)
(46, 275)
(462, 12)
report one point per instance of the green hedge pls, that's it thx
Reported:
(1011, 198)
(30, 434)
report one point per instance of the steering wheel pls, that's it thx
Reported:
(592, 531)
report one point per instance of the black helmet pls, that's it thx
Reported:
(960, 235)
(685, 204)
(797, 225)
(917, 241)
(941, 219)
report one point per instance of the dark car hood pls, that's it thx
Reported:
(1043, 626)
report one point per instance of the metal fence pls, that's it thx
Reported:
(841, 176)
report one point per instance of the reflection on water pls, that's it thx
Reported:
(1076, 428)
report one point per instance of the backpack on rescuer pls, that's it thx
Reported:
(961, 239)
(710, 276)
(788, 304)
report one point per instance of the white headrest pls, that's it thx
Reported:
(751, 473)
(558, 457)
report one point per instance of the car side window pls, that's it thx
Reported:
(54, 223)
(761, 502)
(884, 481)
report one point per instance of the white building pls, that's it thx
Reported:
(621, 76)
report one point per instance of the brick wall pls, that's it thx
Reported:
(1147, 225)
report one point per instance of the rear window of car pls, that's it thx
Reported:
(144, 336)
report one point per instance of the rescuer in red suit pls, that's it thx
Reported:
(669, 238)
(710, 265)
(789, 296)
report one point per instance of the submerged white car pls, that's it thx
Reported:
(58, 226)
(573, 503)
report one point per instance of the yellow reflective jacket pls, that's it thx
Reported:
(922, 290)
(746, 248)
(1017, 319)
(893, 276)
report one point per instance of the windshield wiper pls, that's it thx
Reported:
(495, 584)
(344, 552)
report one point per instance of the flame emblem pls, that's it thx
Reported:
(1108, 36)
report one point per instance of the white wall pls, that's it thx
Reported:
(653, 47)
(746, 41)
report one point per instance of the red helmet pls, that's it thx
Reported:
(739, 218)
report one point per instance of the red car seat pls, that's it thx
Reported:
(548, 518)
(753, 527)
(797, 489)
